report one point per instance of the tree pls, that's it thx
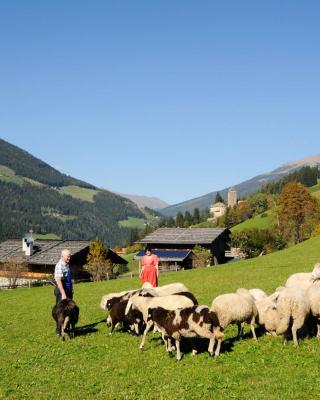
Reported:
(14, 269)
(98, 266)
(196, 216)
(298, 212)
(187, 219)
(218, 199)
(258, 203)
(179, 220)
(201, 257)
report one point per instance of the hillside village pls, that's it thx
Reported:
(253, 225)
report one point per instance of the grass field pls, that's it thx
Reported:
(132, 222)
(47, 236)
(34, 364)
(8, 175)
(79, 192)
(257, 222)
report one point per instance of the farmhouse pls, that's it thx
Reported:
(174, 245)
(40, 257)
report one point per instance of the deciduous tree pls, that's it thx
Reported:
(298, 212)
(98, 266)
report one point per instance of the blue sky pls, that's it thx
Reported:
(172, 99)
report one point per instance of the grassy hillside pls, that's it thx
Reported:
(131, 222)
(262, 221)
(78, 192)
(36, 364)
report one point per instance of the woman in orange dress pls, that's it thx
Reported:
(150, 270)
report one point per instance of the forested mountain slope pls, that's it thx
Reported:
(32, 197)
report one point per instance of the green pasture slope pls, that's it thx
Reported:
(78, 192)
(35, 364)
(258, 222)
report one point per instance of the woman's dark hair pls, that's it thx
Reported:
(147, 248)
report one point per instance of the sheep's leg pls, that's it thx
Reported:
(73, 329)
(295, 326)
(217, 352)
(64, 326)
(318, 329)
(148, 327)
(211, 344)
(252, 327)
(178, 349)
(240, 329)
(193, 346)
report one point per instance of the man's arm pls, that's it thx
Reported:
(60, 286)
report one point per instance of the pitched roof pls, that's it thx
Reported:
(166, 255)
(48, 252)
(184, 235)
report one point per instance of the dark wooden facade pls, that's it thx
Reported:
(45, 255)
(216, 240)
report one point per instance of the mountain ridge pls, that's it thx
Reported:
(243, 188)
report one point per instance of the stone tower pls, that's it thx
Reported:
(232, 197)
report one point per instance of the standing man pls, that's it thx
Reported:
(62, 276)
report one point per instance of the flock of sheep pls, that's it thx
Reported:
(173, 311)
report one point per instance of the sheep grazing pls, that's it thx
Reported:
(302, 280)
(190, 322)
(267, 314)
(130, 322)
(171, 302)
(258, 294)
(313, 296)
(108, 300)
(236, 308)
(293, 308)
(65, 313)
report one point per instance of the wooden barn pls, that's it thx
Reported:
(40, 257)
(165, 242)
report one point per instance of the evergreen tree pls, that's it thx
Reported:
(196, 216)
(219, 199)
(179, 220)
(187, 219)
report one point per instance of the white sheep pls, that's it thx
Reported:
(301, 279)
(171, 288)
(142, 304)
(313, 296)
(292, 307)
(258, 294)
(108, 300)
(267, 314)
(236, 308)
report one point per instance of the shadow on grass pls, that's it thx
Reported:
(88, 329)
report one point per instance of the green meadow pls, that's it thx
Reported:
(35, 364)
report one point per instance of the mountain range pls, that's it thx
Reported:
(243, 189)
(36, 196)
(146, 201)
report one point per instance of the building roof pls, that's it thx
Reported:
(219, 204)
(166, 255)
(48, 252)
(184, 235)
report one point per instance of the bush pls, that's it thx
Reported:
(202, 257)
(255, 242)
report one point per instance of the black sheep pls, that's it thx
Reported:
(65, 313)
